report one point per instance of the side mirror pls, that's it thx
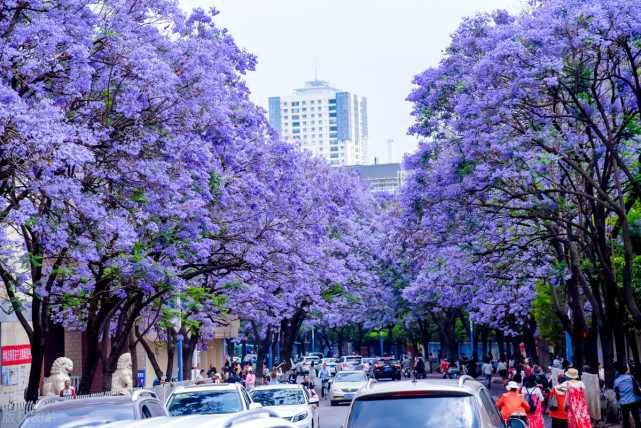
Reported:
(314, 400)
(255, 406)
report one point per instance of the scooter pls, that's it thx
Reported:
(325, 388)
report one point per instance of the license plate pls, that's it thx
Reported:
(388, 369)
(349, 395)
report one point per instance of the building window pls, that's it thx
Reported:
(333, 128)
(285, 117)
(285, 103)
(320, 135)
(332, 101)
(304, 116)
(304, 108)
(295, 131)
(304, 103)
(304, 122)
(333, 149)
(332, 108)
(285, 110)
(332, 115)
(313, 129)
(319, 101)
(334, 155)
(295, 117)
(295, 110)
(320, 129)
(334, 142)
(295, 123)
(295, 103)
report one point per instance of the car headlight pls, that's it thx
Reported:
(336, 389)
(300, 417)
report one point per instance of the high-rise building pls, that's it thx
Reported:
(325, 121)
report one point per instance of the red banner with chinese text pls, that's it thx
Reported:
(15, 355)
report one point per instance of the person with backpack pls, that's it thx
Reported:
(556, 404)
(627, 390)
(534, 398)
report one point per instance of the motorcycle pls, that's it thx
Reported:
(325, 388)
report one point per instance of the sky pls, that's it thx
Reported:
(372, 48)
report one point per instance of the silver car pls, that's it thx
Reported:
(434, 403)
(302, 367)
(293, 403)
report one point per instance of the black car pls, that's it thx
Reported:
(387, 367)
(87, 412)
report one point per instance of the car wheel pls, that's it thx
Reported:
(334, 403)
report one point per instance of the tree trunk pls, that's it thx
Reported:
(289, 329)
(151, 356)
(501, 342)
(91, 360)
(189, 346)
(484, 339)
(133, 351)
(172, 339)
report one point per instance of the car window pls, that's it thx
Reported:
(278, 397)
(205, 402)
(146, 413)
(490, 406)
(350, 377)
(246, 397)
(100, 414)
(451, 412)
(156, 408)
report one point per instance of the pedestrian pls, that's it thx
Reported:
(273, 377)
(601, 371)
(68, 391)
(420, 367)
(445, 365)
(557, 362)
(624, 388)
(578, 415)
(462, 364)
(512, 401)
(312, 373)
(534, 397)
(558, 414)
(200, 375)
(487, 371)
(292, 376)
(250, 380)
(502, 369)
(472, 367)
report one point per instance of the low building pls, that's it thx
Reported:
(387, 177)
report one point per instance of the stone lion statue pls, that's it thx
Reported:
(60, 370)
(122, 377)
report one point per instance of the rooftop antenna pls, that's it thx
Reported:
(315, 70)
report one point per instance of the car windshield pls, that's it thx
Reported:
(94, 415)
(354, 359)
(329, 360)
(315, 359)
(350, 377)
(451, 412)
(278, 397)
(204, 403)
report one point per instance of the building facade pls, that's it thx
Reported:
(325, 121)
(387, 177)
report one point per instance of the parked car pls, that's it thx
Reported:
(349, 362)
(345, 384)
(317, 354)
(302, 366)
(257, 418)
(85, 412)
(386, 367)
(331, 365)
(210, 399)
(293, 403)
(438, 403)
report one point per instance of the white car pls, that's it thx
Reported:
(302, 367)
(349, 362)
(331, 365)
(259, 418)
(214, 399)
(293, 403)
(345, 384)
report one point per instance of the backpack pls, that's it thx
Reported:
(529, 399)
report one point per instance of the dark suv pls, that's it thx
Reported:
(86, 412)
(387, 367)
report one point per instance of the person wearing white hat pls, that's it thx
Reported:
(512, 401)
